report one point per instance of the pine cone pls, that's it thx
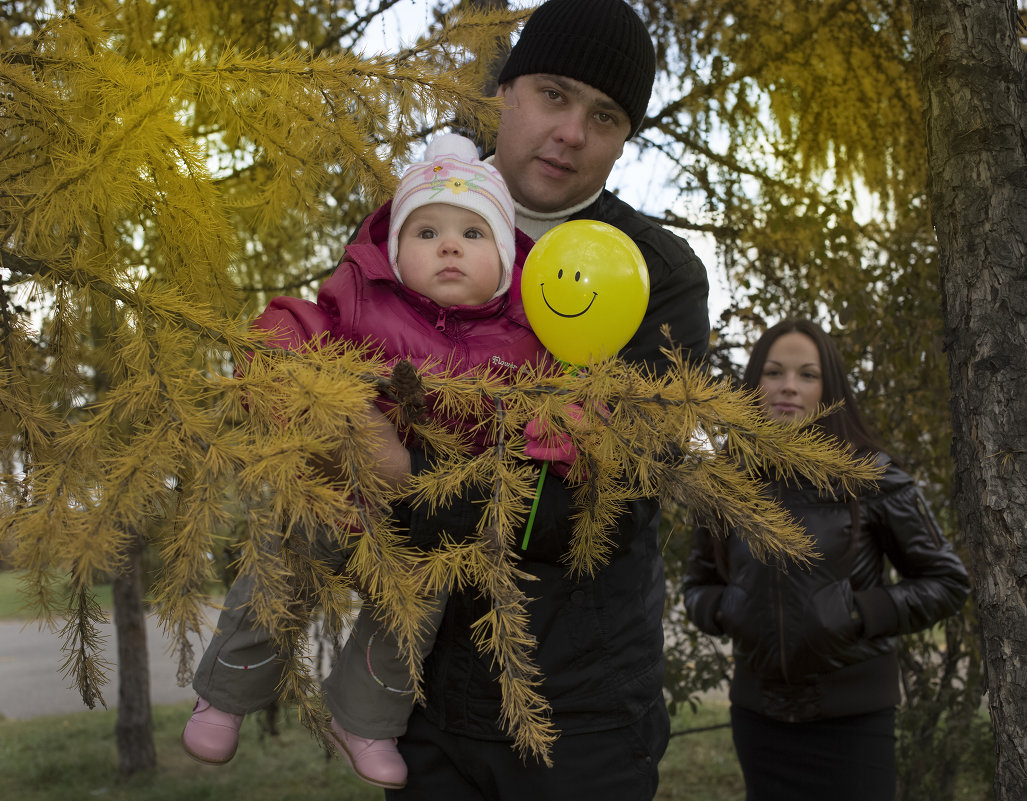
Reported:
(409, 392)
(493, 542)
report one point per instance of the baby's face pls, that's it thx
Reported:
(450, 255)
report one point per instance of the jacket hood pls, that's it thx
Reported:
(370, 247)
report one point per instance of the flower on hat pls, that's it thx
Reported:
(458, 185)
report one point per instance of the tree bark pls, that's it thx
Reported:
(134, 727)
(973, 72)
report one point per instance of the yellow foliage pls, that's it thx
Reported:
(133, 172)
(821, 88)
(186, 451)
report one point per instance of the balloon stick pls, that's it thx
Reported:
(534, 505)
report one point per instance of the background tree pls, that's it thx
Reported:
(796, 132)
(152, 154)
(974, 76)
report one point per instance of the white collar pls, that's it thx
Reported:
(536, 223)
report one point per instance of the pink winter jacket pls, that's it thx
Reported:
(363, 302)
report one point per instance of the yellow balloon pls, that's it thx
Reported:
(585, 288)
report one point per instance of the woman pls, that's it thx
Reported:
(815, 682)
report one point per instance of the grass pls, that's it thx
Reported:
(75, 757)
(701, 766)
(12, 602)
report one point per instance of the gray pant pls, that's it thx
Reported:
(366, 690)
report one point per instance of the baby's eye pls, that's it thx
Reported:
(426, 233)
(473, 233)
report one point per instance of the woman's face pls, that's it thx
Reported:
(791, 383)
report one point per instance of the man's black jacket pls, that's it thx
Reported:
(600, 640)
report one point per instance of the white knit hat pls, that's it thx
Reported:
(452, 173)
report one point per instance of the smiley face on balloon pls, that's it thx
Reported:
(585, 289)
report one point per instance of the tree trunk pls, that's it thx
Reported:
(973, 72)
(134, 729)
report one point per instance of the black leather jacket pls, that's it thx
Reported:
(600, 640)
(821, 642)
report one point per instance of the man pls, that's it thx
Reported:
(576, 87)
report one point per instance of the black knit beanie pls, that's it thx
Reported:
(603, 43)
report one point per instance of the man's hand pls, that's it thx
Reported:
(393, 459)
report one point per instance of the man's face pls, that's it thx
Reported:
(558, 140)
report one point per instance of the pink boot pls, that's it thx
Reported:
(211, 735)
(377, 762)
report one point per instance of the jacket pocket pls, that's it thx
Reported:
(753, 627)
(829, 628)
(738, 618)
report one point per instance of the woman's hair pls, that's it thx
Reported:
(847, 423)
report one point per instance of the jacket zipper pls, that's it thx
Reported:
(780, 611)
(440, 322)
(781, 627)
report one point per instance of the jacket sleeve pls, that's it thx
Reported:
(299, 323)
(295, 323)
(678, 298)
(679, 288)
(703, 584)
(934, 583)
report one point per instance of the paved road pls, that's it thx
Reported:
(31, 683)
